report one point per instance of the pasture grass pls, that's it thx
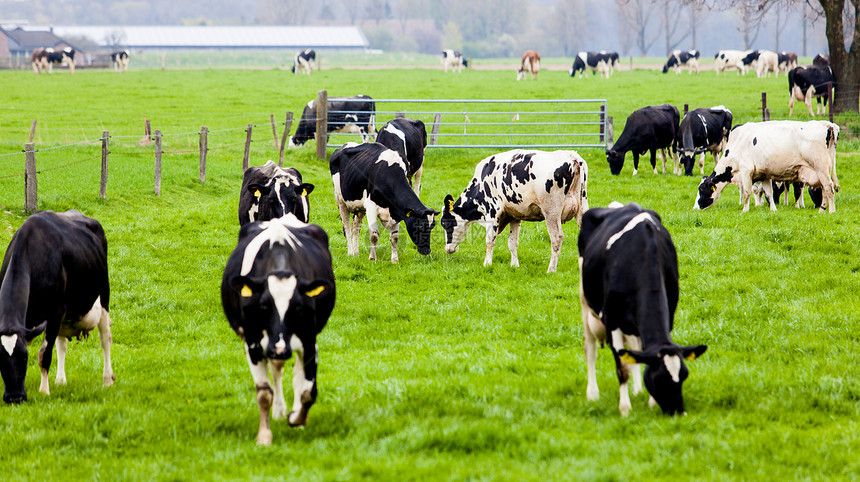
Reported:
(436, 368)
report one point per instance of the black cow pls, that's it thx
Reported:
(679, 58)
(702, 130)
(66, 56)
(595, 61)
(304, 61)
(647, 129)
(278, 292)
(54, 279)
(269, 192)
(120, 61)
(611, 60)
(371, 179)
(804, 83)
(821, 60)
(407, 137)
(786, 61)
(629, 292)
(345, 115)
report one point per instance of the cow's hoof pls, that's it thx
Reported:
(279, 411)
(298, 419)
(624, 409)
(264, 437)
(109, 379)
(592, 394)
(651, 402)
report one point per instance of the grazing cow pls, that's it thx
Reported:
(66, 56)
(515, 186)
(453, 59)
(530, 63)
(788, 151)
(804, 83)
(821, 60)
(371, 179)
(408, 138)
(39, 60)
(120, 61)
(629, 292)
(730, 59)
(611, 60)
(269, 192)
(647, 129)
(702, 130)
(304, 61)
(683, 58)
(786, 61)
(594, 61)
(278, 292)
(763, 62)
(345, 115)
(54, 279)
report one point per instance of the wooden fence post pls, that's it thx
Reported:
(287, 124)
(437, 119)
(105, 152)
(274, 131)
(246, 158)
(31, 202)
(33, 131)
(158, 162)
(610, 132)
(764, 116)
(204, 148)
(322, 123)
(603, 124)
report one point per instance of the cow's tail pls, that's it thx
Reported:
(791, 83)
(831, 139)
(580, 190)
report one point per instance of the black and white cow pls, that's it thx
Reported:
(806, 83)
(120, 61)
(65, 56)
(779, 187)
(370, 179)
(594, 61)
(763, 62)
(629, 292)
(515, 186)
(786, 61)
(269, 192)
(730, 59)
(408, 138)
(454, 60)
(345, 115)
(304, 61)
(647, 129)
(612, 59)
(702, 130)
(682, 58)
(278, 292)
(54, 279)
(39, 60)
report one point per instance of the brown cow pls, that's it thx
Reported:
(529, 63)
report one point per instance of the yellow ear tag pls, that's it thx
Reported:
(407, 215)
(315, 291)
(451, 205)
(691, 356)
(627, 358)
(256, 193)
(246, 292)
(714, 188)
(304, 192)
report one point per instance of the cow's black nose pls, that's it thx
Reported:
(424, 251)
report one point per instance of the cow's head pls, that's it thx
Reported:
(13, 361)
(688, 160)
(615, 160)
(455, 225)
(419, 224)
(665, 68)
(281, 196)
(665, 373)
(711, 187)
(284, 306)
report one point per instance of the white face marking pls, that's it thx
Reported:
(392, 158)
(305, 209)
(9, 342)
(673, 364)
(252, 213)
(282, 291)
(639, 218)
(615, 205)
(274, 231)
(281, 345)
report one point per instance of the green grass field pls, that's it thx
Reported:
(436, 368)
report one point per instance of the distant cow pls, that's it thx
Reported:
(515, 186)
(54, 279)
(65, 56)
(278, 292)
(269, 192)
(806, 83)
(345, 114)
(39, 60)
(408, 138)
(530, 63)
(370, 179)
(821, 60)
(594, 61)
(682, 58)
(629, 292)
(763, 62)
(304, 61)
(120, 61)
(647, 129)
(787, 151)
(786, 61)
(702, 130)
(611, 60)
(730, 59)
(453, 59)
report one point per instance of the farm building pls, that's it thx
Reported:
(16, 44)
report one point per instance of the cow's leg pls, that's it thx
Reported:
(62, 346)
(46, 353)
(264, 398)
(593, 330)
(622, 369)
(416, 180)
(665, 158)
(809, 94)
(746, 190)
(634, 343)
(514, 243)
(346, 220)
(635, 162)
(372, 226)
(767, 189)
(105, 340)
(357, 219)
(556, 238)
(394, 228)
(809, 176)
(279, 405)
(304, 380)
(702, 163)
(654, 160)
(491, 243)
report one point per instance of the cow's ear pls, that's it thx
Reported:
(246, 286)
(592, 218)
(30, 333)
(449, 203)
(316, 288)
(307, 188)
(632, 356)
(258, 189)
(693, 352)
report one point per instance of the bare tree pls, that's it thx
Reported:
(378, 10)
(569, 25)
(353, 9)
(637, 16)
(672, 24)
(283, 12)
